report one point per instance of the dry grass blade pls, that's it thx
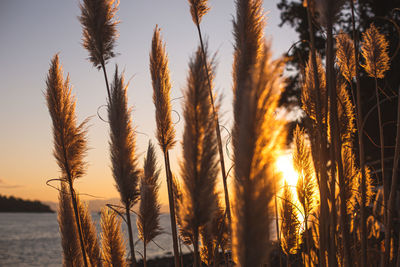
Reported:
(122, 143)
(199, 168)
(161, 91)
(198, 8)
(112, 242)
(69, 235)
(259, 135)
(374, 50)
(99, 29)
(148, 221)
(345, 56)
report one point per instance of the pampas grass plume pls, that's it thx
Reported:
(112, 242)
(374, 50)
(198, 8)
(258, 137)
(148, 220)
(99, 29)
(161, 92)
(289, 224)
(345, 56)
(70, 143)
(199, 167)
(122, 143)
(72, 255)
(89, 234)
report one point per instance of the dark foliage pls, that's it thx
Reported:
(367, 11)
(12, 204)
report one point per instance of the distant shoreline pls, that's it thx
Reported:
(13, 205)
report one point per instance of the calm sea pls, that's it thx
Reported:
(33, 239)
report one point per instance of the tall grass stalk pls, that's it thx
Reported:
(374, 50)
(359, 117)
(199, 167)
(320, 143)
(199, 8)
(122, 149)
(72, 254)
(68, 137)
(165, 132)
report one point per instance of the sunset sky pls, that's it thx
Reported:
(33, 31)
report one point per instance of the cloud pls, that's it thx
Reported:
(3, 184)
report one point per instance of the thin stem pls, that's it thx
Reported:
(106, 80)
(321, 147)
(360, 127)
(144, 254)
(171, 207)
(392, 196)
(216, 121)
(74, 204)
(131, 245)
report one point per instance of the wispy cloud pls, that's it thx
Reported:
(3, 184)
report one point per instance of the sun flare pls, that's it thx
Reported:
(284, 164)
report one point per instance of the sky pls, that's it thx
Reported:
(33, 31)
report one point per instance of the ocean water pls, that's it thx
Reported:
(33, 239)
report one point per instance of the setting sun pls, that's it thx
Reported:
(284, 164)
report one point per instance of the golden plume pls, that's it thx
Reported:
(72, 255)
(165, 132)
(303, 164)
(112, 241)
(148, 218)
(198, 8)
(122, 143)
(199, 168)
(70, 143)
(258, 136)
(309, 92)
(122, 147)
(161, 91)
(289, 222)
(89, 235)
(248, 31)
(345, 112)
(345, 56)
(99, 29)
(374, 50)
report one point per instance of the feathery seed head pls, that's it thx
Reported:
(148, 221)
(248, 31)
(122, 142)
(72, 254)
(309, 93)
(374, 50)
(89, 234)
(112, 241)
(199, 168)
(345, 56)
(289, 222)
(99, 29)
(70, 143)
(161, 92)
(258, 136)
(198, 8)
